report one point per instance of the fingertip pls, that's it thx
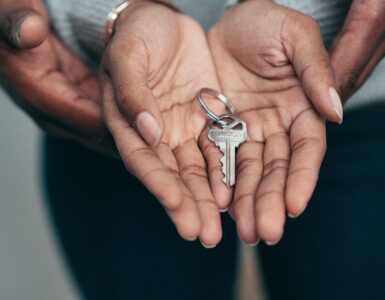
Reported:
(189, 230)
(31, 31)
(211, 233)
(298, 196)
(326, 101)
(245, 220)
(295, 207)
(210, 240)
(222, 198)
(249, 236)
(208, 246)
(336, 103)
(149, 128)
(293, 214)
(270, 229)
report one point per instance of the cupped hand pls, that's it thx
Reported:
(152, 69)
(272, 63)
(359, 46)
(48, 81)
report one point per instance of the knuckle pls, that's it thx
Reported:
(248, 163)
(275, 165)
(304, 142)
(193, 171)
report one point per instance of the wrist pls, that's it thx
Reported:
(118, 13)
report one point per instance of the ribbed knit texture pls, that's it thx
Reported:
(80, 23)
(330, 14)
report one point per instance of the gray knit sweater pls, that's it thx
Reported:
(80, 23)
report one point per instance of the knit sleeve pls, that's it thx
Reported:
(80, 23)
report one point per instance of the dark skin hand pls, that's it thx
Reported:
(46, 80)
(359, 46)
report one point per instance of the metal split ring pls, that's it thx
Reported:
(229, 105)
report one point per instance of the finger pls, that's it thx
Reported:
(76, 71)
(354, 47)
(138, 158)
(49, 96)
(249, 175)
(22, 26)
(374, 60)
(312, 65)
(192, 169)
(270, 202)
(222, 194)
(186, 218)
(308, 145)
(126, 62)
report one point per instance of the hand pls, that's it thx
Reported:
(151, 71)
(45, 79)
(359, 46)
(272, 63)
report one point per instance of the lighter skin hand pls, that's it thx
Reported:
(273, 77)
(141, 72)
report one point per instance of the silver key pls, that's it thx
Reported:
(228, 138)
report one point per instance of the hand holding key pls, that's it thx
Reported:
(144, 79)
(277, 75)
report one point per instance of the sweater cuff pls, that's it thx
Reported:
(88, 18)
(81, 24)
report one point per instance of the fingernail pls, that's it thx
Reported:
(14, 33)
(208, 247)
(148, 128)
(336, 103)
(223, 210)
(255, 244)
(272, 243)
(231, 215)
(293, 216)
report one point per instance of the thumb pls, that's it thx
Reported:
(311, 63)
(22, 27)
(126, 65)
(355, 48)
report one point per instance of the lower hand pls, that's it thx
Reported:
(48, 81)
(360, 45)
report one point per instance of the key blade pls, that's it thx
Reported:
(227, 158)
(223, 160)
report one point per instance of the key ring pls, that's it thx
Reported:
(229, 105)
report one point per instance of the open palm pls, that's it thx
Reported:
(264, 68)
(48, 81)
(162, 58)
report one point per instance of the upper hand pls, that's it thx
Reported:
(359, 46)
(49, 82)
(272, 63)
(152, 68)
